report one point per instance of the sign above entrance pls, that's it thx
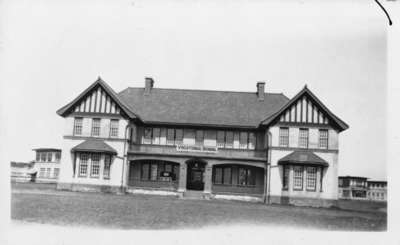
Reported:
(196, 148)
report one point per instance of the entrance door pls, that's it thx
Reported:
(195, 175)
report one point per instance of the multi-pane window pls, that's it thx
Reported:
(153, 171)
(178, 136)
(323, 138)
(56, 172)
(147, 136)
(298, 178)
(156, 136)
(218, 176)
(58, 156)
(220, 139)
(78, 126)
(83, 164)
(284, 137)
(252, 141)
(48, 172)
(114, 125)
(95, 166)
(243, 137)
(227, 176)
(311, 182)
(42, 172)
(96, 127)
(246, 177)
(285, 180)
(49, 156)
(223, 175)
(170, 136)
(303, 138)
(229, 139)
(107, 166)
(43, 156)
(199, 138)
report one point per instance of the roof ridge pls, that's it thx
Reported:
(203, 90)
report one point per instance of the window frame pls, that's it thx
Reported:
(86, 164)
(107, 167)
(114, 128)
(95, 127)
(95, 165)
(302, 138)
(311, 176)
(78, 124)
(323, 139)
(300, 177)
(284, 138)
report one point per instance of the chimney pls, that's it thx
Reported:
(260, 90)
(148, 85)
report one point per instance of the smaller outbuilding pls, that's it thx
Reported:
(22, 171)
(47, 164)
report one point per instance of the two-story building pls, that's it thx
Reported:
(377, 190)
(214, 144)
(353, 187)
(47, 164)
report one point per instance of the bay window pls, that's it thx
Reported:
(95, 166)
(298, 178)
(311, 180)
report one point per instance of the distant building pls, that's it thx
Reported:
(377, 190)
(353, 187)
(47, 164)
(22, 172)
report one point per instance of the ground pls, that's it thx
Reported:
(43, 204)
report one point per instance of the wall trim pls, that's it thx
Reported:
(303, 149)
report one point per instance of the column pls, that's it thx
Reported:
(208, 178)
(182, 177)
(290, 180)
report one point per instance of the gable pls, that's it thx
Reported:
(304, 110)
(97, 101)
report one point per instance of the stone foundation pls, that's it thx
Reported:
(303, 201)
(91, 188)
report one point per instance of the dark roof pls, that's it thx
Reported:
(338, 122)
(46, 149)
(352, 177)
(377, 181)
(94, 145)
(99, 82)
(202, 107)
(21, 164)
(303, 158)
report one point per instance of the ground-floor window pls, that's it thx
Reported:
(311, 178)
(96, 162)
(158, 170)
(95, 166)
(107, 166)
(56, 172)
(223, 175)
(42, 172)
(298, 178)
(285, 181)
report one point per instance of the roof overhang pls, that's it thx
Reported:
(303, 158)
(94, 145)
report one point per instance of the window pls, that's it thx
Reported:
(227, 177)
(311, 178)
(229, 139)
(153, 174)
(243, 137)
(49, 156)
(147, 135)
(285, 181)
(178, 136)
(41, 173)
(37, 156)
(83, 164)
(56, 172)
(95, 127)
(155, 139)
(246, 177)
(218, 175)
(220, 139)
(199, 138)
(223, 175)
(284, 137)
(48, 172)
(95, 166)
(303, 138)
(78, 126)
(298, 178)
(58, 156)
(323, 138)
(114, 125)
(43, 156)
(252, 141)
(170, 136)
(145, 171)
(107, 166)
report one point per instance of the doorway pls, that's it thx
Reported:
(195, 175)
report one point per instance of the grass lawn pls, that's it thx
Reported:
(159, 212)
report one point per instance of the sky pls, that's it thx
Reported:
(51, 51)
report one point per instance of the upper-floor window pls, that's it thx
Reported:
(170, 136)
(229, 139)
(323, 138)
(96, 126)
(199, 138)
(147, 135)
(220, 139)
(311, 181)
(49, 156)
(284, 137)
(155, 139)
(114, 125)
(78, 126)
(178, 136)
(303, 138)
(107, 166)
(58, 156)
(95, 166)
(243, 140)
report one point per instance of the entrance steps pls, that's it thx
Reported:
(195, 195)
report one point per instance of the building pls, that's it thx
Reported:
(377, 190)
(353, 187)
(47, 164)
(211, 144)
(22, 172)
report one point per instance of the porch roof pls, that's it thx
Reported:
(303, 158)
(94, 145)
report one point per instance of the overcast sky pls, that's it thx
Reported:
(50, 52)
